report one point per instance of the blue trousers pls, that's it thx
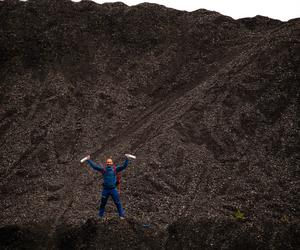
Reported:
(115, 196)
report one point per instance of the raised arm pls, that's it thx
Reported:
(121, 168)
(95, 166)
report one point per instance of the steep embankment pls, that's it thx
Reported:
(210, 106)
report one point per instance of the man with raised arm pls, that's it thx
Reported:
(109, 173)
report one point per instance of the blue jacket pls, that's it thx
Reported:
(109, 175)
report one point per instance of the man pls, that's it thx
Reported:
(109, 183)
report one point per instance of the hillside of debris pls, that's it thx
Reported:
(208, 104)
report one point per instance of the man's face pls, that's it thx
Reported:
(109, 162)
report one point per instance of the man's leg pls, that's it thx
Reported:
(116, 198)
(104, 198)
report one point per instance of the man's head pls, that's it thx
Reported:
(109, 162)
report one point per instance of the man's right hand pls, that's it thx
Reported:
(85, 159)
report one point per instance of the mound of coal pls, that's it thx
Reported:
(208, 104)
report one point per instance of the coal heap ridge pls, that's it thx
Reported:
(208, 104)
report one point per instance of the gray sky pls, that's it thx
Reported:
(277, 9)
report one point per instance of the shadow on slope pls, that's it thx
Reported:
(110, 234)
(203, 233)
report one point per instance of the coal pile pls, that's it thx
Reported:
(208, 104)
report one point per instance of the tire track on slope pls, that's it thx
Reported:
(160, 107)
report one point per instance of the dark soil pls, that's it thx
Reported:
(208, 104)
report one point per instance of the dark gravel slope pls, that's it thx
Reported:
(208, 104)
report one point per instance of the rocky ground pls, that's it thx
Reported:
(208, 104)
